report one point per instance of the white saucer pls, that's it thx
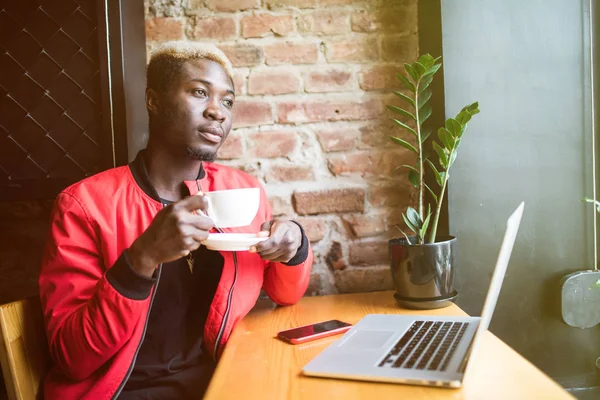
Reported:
(232, 241)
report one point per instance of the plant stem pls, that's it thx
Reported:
(438, 210)
(420, 155)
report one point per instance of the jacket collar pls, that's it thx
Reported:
(140, 174)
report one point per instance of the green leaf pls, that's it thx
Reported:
(419, 69)
(424, 83)
(410, 225)
(453, 126)
(404, 144)
(406, 166)
(431, 71)
(426, 223)
(407, 84)
(438, 177)
(425, 134)
(401, 111)
(452, 158)
(463, 117)
(431, 193)
(414, 217)
(405, 235)
(424, 97)
(446, 138)
(408, 128)
(467, 112)
(443, 175)
(442, 154)
(411, 71)
(405, 97)
(425, 113)
(426, 60)
(413, 177)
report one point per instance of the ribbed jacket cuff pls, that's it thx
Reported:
(127, 281)
(302, 252)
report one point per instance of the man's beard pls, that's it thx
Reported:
(168, 117)
(199, 155)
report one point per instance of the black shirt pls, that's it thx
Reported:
(171, 363)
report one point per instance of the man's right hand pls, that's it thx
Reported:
(175, 232)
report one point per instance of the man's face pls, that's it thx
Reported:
(194, 115)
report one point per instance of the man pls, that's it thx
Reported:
(135, 307)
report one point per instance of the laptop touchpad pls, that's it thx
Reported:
(367, 340)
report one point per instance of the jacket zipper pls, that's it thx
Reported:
(224, 323)
(130, 370)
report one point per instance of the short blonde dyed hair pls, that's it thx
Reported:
(168, 58)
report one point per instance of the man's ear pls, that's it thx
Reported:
(152, 101)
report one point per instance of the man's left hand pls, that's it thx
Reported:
(285, 238)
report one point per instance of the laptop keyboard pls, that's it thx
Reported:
(426, 345)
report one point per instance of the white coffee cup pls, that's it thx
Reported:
(234, 207)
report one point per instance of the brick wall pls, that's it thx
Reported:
(312, 78)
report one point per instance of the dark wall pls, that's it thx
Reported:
(23, 229)
(528, 65)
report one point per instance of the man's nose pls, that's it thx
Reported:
(213, 111)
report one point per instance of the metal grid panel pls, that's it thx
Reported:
(50, 115)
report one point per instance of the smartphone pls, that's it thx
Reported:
(319, 330)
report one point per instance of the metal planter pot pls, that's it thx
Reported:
(423, 274)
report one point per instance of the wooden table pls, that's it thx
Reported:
(256, 365)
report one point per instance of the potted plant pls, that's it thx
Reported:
(422, 264)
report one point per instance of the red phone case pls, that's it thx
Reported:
(313, 336)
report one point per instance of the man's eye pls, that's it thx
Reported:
(199, 92)
(228, 103)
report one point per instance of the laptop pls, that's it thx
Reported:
(413, 349)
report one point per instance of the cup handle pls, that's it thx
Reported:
(210, 212)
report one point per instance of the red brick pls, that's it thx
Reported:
(315, 287)
(272, 144)
(261, 25)
(363, 225)
(249, 113)
(251, 168)
(273, 81)
(196, 7)
(330, 80)
(352, 50)
(288, 173)
(243, 54)
(337, 2)
(368, 253)
(239, 80)
(163, 29)
(400, 48)
(380, 77)
(329, 201)
(314, 228)
(402, 19)
(231, 148)
(281, 205)
(292, 53)
(328, 110)
(214, 28)
(294, 3)
(380, 163)
(377, 135)
(400, 194)
(338, 139)
(358, 280)
(325, 22)
(232, 5)
(363, 163)
(335, 257)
